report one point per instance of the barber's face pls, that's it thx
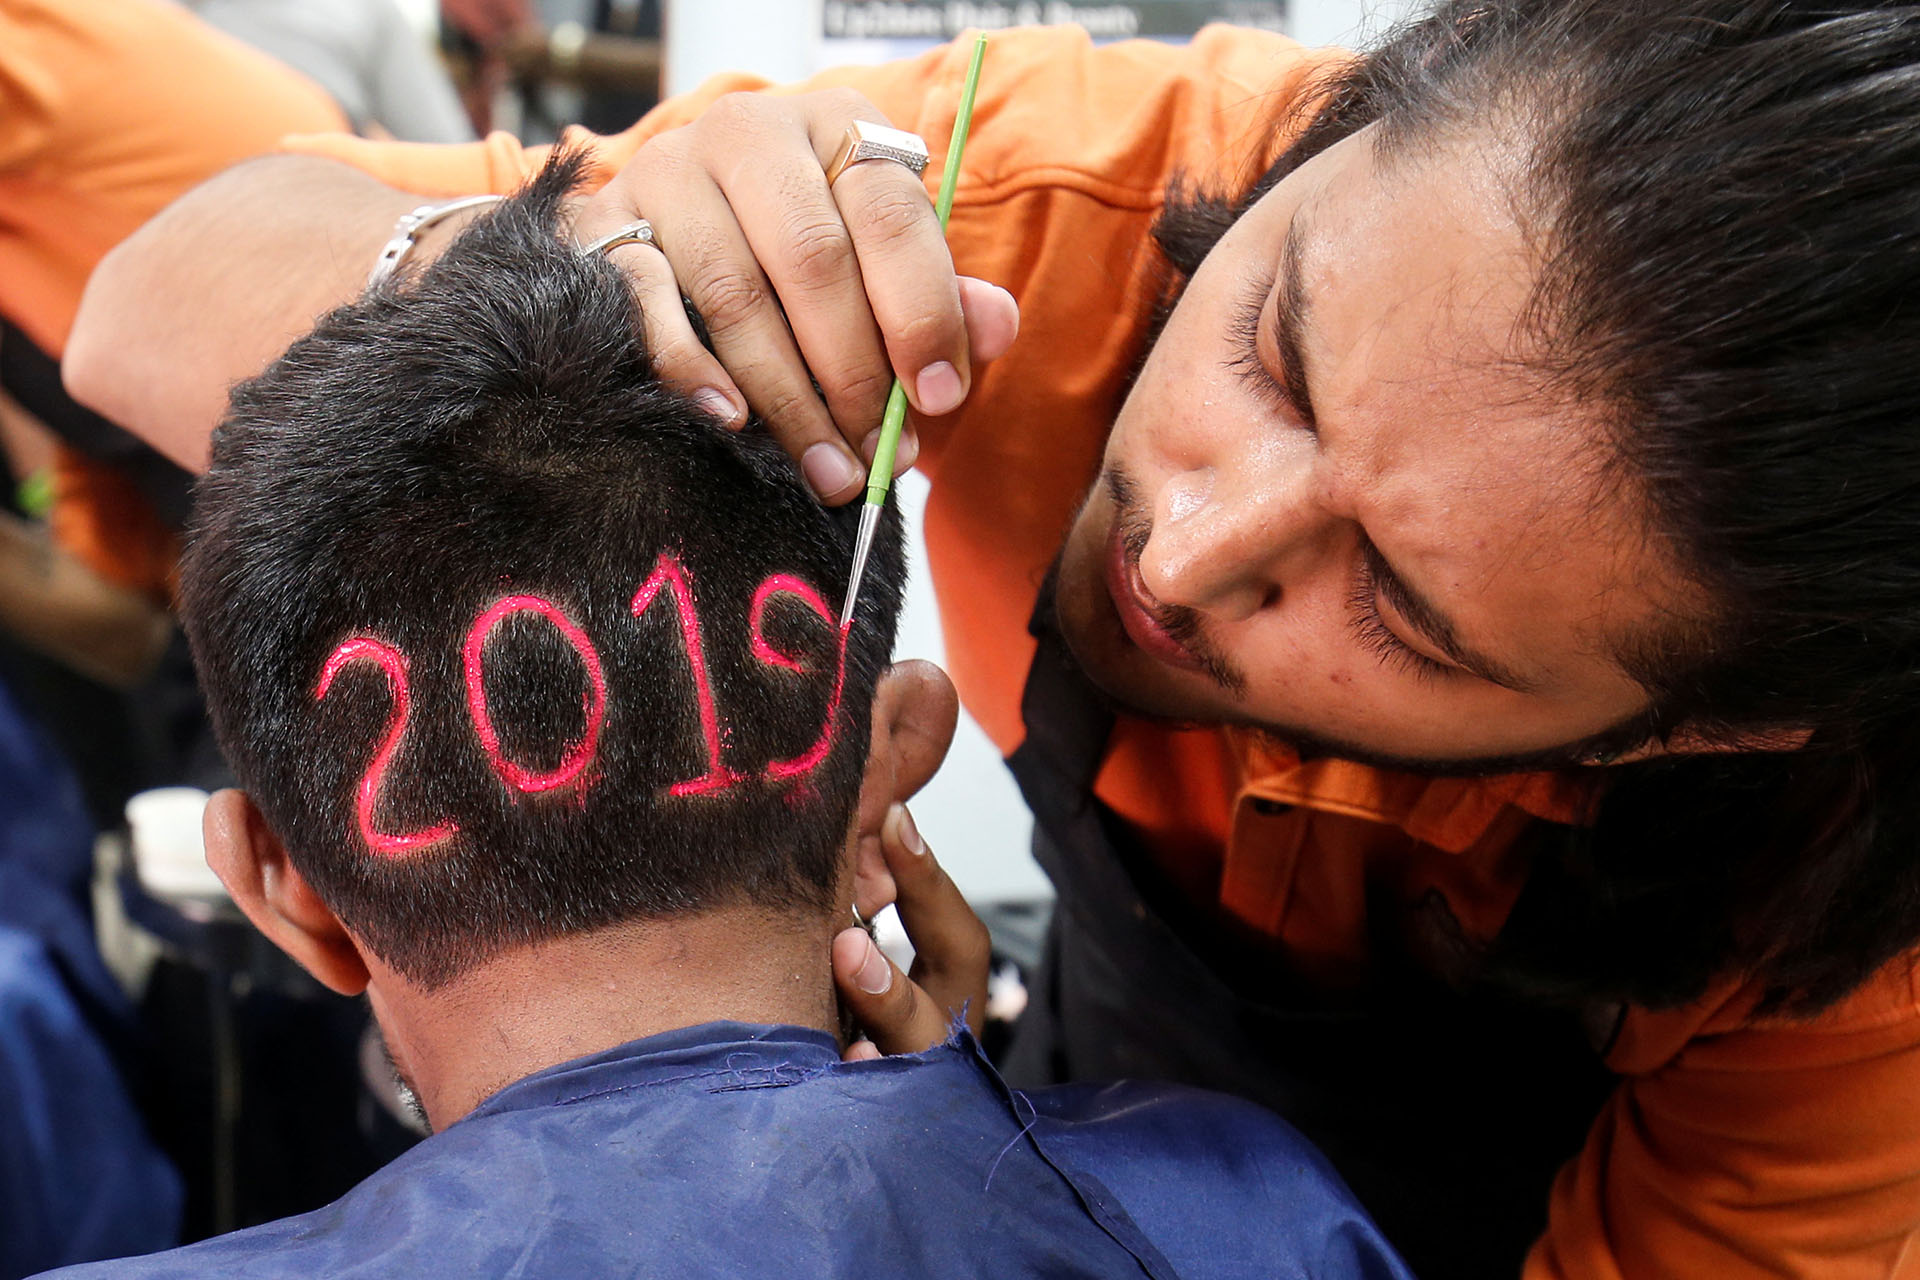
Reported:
(1424, 560)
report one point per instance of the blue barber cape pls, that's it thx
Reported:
(736, 1150)
(79, 1177)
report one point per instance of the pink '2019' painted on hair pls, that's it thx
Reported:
(787, 584)
(668, 572)
(393, 664)
(670, 575)
(594, 702)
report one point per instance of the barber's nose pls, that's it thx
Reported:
(1228, 539)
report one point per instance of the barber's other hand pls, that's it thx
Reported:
(748, 229)
(905, 1013)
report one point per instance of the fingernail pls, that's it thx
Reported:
(875, 975)
(939, 388)
(828, 469)
(714, 401)
(910, 834)
(907, 452)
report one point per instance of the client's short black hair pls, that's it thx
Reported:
(507, 639)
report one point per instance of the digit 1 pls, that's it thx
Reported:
(787, 584)
(393, 664)
(593, 702)
(669, 573)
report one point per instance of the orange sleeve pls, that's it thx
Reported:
(1769, 1148)
(30, 100)
(108, 111)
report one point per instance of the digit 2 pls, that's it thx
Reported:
(393, 664)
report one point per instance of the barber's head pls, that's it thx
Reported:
(1553, 398)
(505, 639)
(1553, 395)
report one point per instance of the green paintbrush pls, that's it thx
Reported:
(880, 476)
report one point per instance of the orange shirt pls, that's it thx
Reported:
(108, 110)
(1732, 1147)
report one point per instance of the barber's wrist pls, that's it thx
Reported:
(433, 240)
(422, 232)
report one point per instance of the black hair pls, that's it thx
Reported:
(1724, 199)
(465, 478)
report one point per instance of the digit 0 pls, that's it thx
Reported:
(593, 703)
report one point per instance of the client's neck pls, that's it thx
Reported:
(541, 1005)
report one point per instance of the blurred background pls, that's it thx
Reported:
(164, 1073)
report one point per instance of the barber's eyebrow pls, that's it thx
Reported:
(1290, 321)
(1424, 617)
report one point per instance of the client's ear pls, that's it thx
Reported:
(253, 864)
(914, 713)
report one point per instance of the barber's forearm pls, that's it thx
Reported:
(216, 286)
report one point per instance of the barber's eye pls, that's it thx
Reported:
(1243, 332)
(1371, 632)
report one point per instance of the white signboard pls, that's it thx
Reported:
(876, 30)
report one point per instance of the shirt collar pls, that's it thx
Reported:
(1452, 814)
(729, 1055)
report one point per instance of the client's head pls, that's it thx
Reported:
(507, 641)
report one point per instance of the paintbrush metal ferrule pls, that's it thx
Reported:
(862, 548)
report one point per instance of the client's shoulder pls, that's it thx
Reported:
(1220, 1186)
(1184, 1139)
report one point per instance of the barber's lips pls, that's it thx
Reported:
(1138, 610)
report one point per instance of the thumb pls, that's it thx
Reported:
(897, 1016)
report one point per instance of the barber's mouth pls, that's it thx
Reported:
(1139, 611)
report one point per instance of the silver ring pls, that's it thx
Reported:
(639, 231)
(864, 141)
(862, 922)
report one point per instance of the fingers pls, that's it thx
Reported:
(861, 271)
(678, 355)
(726, 195)
(811, 256)
(952, 951)
(777, 281)
(905, 270)
(801, 284)
(993, 318)
(714, 265)
(896, 1014)
(906, 1013)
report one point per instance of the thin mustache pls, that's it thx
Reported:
(1180, 622)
